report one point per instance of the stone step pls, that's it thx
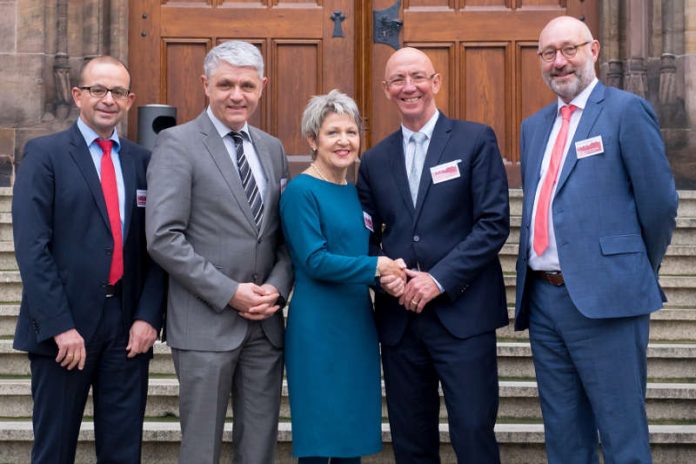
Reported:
(679, 259)
(519, 443)
(669, 324)
(5, 199)
(666, 361)
(687, 203)
(518, 400)
(680, 290)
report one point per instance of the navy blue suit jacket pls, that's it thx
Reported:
(613, 212)
(63, 242)
(455, 231)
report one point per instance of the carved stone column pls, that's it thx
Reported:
(611, 66)
(61, 66)
(637, 33)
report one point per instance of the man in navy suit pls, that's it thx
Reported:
(92, 303)
(599, 210)
(435, 194)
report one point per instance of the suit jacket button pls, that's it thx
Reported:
(416, 238)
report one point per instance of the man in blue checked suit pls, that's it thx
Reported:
(599, 211)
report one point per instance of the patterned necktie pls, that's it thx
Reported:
(108, 182)
(417, 160)
(541, 220)
(248, 181)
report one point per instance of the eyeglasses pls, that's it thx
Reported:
(568, 51)
(99, 91)
(416, 79)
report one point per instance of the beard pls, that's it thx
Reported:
(568, 89)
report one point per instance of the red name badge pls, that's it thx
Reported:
(368, 222)
(589, 147)
(141, 198)
(445, 172)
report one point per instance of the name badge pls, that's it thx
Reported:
(141, 198)
(283, 184)
(589, 147)
(445, 172)
(368, 222)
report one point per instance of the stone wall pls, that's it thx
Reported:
(649, 48)
(43, 44)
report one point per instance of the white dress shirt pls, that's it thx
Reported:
(548, 261)
(249, 151)
(95, 151)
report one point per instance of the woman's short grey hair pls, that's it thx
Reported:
(321, 106)
(236, 53)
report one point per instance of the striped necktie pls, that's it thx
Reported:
(248, 181)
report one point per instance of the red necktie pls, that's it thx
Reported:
(108, 182)
(541, 220)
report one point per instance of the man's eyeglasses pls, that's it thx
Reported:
(99, 91)
(568, 51)
(416, 79)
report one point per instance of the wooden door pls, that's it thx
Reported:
(484, 49)
(486, 53)
(303, 50)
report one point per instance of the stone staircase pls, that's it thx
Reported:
(671, 394)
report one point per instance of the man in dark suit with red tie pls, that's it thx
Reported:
(92, 303)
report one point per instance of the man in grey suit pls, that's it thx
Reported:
(213, 225)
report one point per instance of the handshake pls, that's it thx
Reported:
(414, 289)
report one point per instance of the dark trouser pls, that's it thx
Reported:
(119, 394)
(591, 375)
(466, 368)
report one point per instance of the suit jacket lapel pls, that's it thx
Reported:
(436, 147)
(397, 162)
(535, 153)
(263, 154)
(128, 171)
(216, 148)
(592, 110)
(80, 153)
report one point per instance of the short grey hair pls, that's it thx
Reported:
(236, 53)
(320, 106)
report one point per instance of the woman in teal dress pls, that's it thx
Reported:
(331, 348)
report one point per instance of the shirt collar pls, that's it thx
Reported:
(427, 128)
(580, 100)
(90, 134)
(221, 128)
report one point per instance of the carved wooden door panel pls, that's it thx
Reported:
(486, 53)
(485, 50)
(306, 52)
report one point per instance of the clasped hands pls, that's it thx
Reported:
(255, 302)
(414, 289)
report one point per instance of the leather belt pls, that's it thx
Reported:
(552, 277)
(112, 290)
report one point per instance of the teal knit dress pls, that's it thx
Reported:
(331, 348)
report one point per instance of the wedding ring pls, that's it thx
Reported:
(414, 302)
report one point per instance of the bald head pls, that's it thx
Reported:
(410, 55)
(102, 59)
(411, 83)
(566, 26)
(568, 54)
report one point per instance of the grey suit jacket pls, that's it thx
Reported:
(200, 230)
